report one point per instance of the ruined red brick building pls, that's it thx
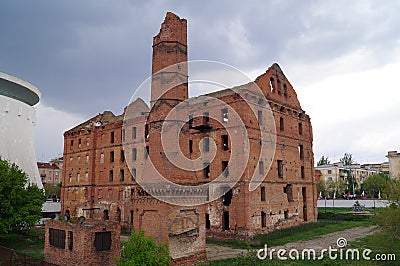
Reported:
(105, 156)
(82, 243)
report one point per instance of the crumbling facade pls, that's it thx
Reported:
(105, 156)
(82, 243)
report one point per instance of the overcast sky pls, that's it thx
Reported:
(342, 57)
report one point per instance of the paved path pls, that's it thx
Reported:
(215, 252)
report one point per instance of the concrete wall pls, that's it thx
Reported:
(17, 122)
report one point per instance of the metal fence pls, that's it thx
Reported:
(11, 257)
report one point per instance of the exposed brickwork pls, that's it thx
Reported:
(92, 185)
(82, 251)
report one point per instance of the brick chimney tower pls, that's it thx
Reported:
(169, 87)
(169, 66)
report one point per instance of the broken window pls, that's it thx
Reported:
(122, 156)
(260, 117)
(225, 169)
(302, 172)
(118, 214)
(102, 241)
(271, 84)
(208, 222)
(190, 146)
(206, 118)
(70, 240)
(301, 151)
(281, 124)
(112, 137)
(134, 154)
(227, 196)
(79, 142)
(131, 220)
(111, 156)
(146, 152)
(225, 220)
(286, 214)
(206, 169)
(280, 168)
(133, 173)
(111, 176)
(206, 144)
(133, 132)
(72, 143)
(261, 167)
(225, 143)
(288, 191)
(300, 129)
(304, 195)
(224, 113)
(262, 193)
(263, 219)
(190, 121)
(101, 157)
(105, 215)
(121, 175)
(123, 134)
(146, 131)
(57, 238)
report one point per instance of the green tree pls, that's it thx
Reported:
(51, 190)
(142, 250)
(347, 159)
(351, 182)
(323, 161)
(375, 183)
(388, 219)
(328, 187)
(20, 202)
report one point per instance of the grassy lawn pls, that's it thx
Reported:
(31, 243)
(378, 243)
(349, 221)
(322, 210)
(291, 235)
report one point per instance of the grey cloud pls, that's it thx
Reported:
(89, 56)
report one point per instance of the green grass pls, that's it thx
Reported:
(31, 243)
(378, 243)
(312, 233)
(309, 231)
(322, 210)
(334, 210)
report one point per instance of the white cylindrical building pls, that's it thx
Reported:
(17, 122)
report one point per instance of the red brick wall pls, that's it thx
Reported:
(83, 251)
